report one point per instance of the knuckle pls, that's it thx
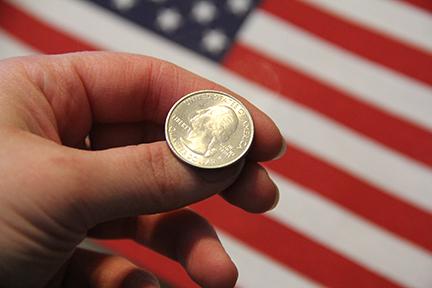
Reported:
(68, 165)
(155, 175)
(163, 182)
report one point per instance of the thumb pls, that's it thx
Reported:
(144, 179)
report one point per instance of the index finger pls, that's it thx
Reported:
(122, 88)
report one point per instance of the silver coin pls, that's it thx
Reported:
(209, 129)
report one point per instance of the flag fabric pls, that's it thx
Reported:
(349, 83)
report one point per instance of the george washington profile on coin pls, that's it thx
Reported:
(209, 129)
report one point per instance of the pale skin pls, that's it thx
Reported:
(55, 190)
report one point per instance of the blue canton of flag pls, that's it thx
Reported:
(208, 27)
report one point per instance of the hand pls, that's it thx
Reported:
(55, 191)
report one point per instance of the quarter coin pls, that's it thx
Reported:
(209, 129)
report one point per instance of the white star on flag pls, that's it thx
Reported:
(168, 20)
(204, 12)
(214, 41)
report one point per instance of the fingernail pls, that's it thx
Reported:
(276, 201)
(282, 150)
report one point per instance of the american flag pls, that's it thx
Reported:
(350, 85)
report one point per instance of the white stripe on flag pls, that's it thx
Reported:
(353, 236)
(319, 135)
(362, 79)
(257, 270)
(88, 244)
(11, 47)
(391, 17)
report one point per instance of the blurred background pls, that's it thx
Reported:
(350, 85)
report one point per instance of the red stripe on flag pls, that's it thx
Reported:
(391, 131)
(37, 33)
(363, 199)
(423, 4)
(374, 46)
(165, 268)
(289, 247)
